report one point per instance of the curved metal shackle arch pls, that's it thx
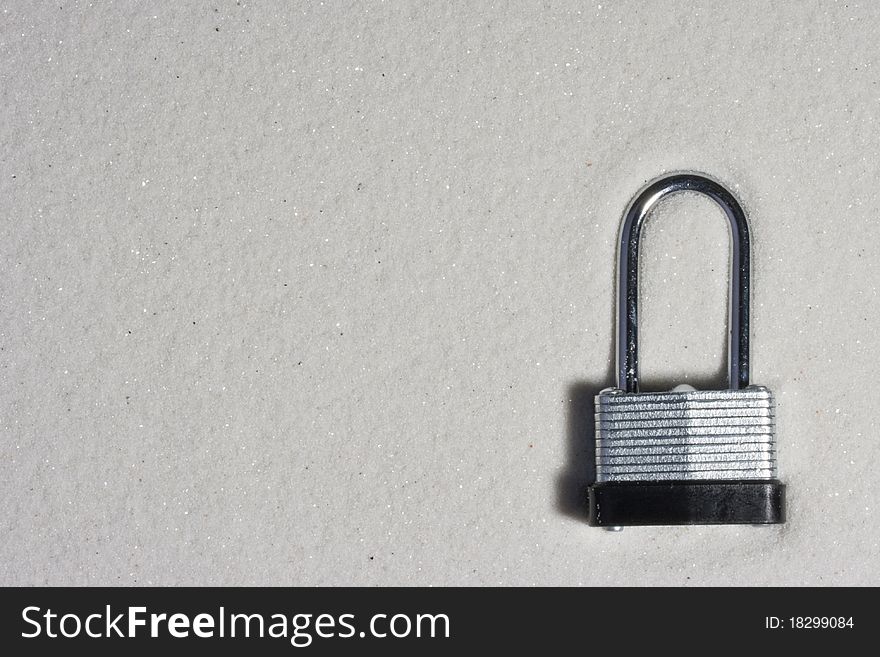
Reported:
(628, 276)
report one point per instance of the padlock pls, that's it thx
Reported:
(686, 456)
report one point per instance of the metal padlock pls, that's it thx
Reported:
(686, 456)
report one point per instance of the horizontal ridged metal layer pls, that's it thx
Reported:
(685, 435)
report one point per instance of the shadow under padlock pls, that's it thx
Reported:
(684, 456)
(579, 472)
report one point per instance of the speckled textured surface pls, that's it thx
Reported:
(320, 295)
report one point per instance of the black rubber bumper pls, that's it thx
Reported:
(753, 502)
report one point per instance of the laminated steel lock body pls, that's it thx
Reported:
(685, 456)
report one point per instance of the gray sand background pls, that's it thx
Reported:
(318, 293)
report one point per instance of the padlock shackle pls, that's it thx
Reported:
(628, 276)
